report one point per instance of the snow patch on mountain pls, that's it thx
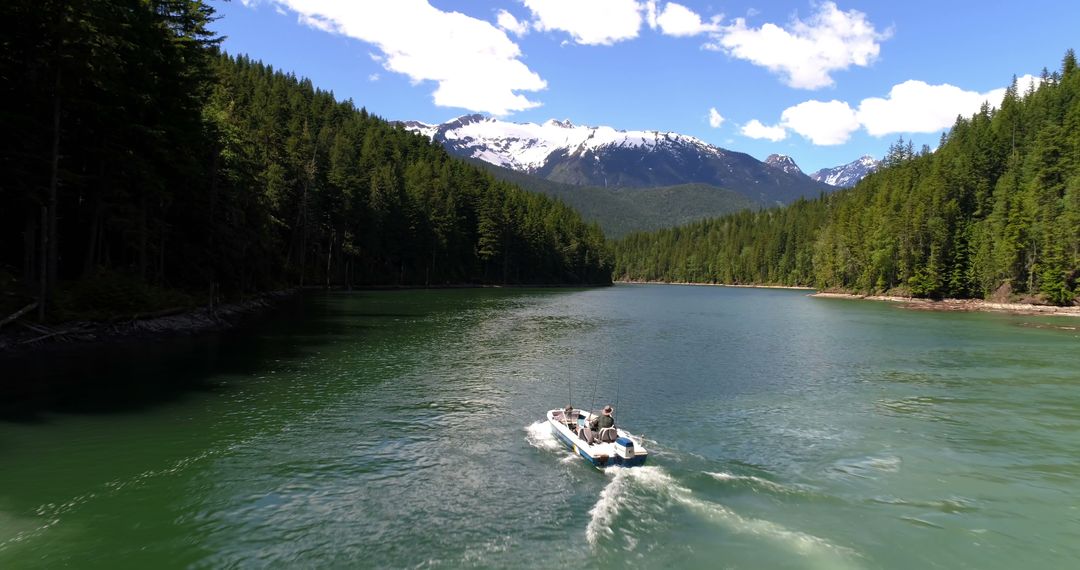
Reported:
(849, 174)
(527, 146)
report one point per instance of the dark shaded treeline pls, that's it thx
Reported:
(993, 212)
(143, 167)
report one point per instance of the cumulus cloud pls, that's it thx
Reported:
(756, 130)
(824, 123)
(678, 20)
(910, 107)
(715, 119)
(595, 22)
(918, 107)
(508, 22)
(474, 64)
(805, 53)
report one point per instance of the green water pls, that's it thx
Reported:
(400, 429)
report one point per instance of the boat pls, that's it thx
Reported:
(619, 448)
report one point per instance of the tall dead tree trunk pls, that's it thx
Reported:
(308, 181)
(30, 241)
(142, 235)
(90, 261)
(43, 264)
(330, 256)
(50, 252)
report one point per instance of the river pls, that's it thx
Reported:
(403, 429)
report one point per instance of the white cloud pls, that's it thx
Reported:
(910, 107)
(678, 20)
(319, 22)
(715, 119)
(508, 22)
(373, 77)
(592, 22)
(755, 130)
(824, 123)
(1025, 83)
(474, 64)
(805, 53)
(918, 107)
(650, 13)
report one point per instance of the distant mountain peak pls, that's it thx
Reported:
(560, 151)
(467, 120)
(528, 147)
(565, 123)
(784, 163)
(847, 175)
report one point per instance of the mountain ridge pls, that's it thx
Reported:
(847, 175)
(561, 151)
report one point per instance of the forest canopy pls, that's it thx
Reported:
(144, 166)
(993, 212)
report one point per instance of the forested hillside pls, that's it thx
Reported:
(622, 211)
(143, 167)
(993, 212)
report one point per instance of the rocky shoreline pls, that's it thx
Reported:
(794, 287)
(23, 336)
(914, 303)
(960, 304)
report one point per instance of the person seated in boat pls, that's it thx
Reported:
(598, 424)
(570, 418)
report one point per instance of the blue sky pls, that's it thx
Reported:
(823, 82)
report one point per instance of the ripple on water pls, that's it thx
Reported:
(867, 467)
(762, 485)
(923, 408)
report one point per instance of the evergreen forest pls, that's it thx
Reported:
(993, 212)
(144, 168)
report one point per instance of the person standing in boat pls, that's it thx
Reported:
(598, 423)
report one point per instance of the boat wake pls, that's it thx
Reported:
(626, 485)
(539, 435)
(607, 506)
(759, 484)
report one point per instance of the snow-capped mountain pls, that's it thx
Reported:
(783, 162)
(849, 174)
(604, 156)
(527, 146)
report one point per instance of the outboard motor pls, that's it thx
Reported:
(624, 448)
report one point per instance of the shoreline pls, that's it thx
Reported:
(34, 338)
(913, 303)
(340, 288)
(733, 285)
(959, 305)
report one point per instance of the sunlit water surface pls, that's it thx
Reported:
(402, 429)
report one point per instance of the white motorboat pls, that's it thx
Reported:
(612, 446)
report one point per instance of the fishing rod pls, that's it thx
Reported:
(569, 391)
(618, 383)
(592, 404)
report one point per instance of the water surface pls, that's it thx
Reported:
(402, 429)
